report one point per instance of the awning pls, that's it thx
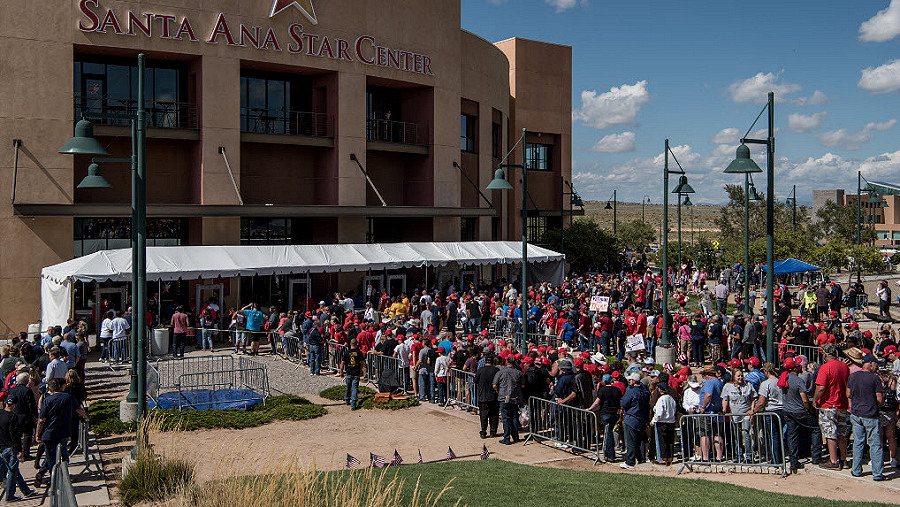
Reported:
(789, 266)
(205, 262)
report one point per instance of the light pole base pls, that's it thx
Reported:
(128, 411)
(665, 355)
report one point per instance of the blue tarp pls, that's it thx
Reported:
(205, 399)
(789, 266)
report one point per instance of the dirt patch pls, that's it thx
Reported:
(325, 442)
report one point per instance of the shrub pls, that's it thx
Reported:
(336, 393)
(154, 479)
(104, 416)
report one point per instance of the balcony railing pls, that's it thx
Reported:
(290, 123)
(160, 113)
(390, 131)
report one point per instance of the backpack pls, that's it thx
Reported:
(240, 319)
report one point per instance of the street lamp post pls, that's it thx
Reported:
(500, 183)
(690, 205)
(574, 200)
(743, 164)
(685, 187)
(749, 195)
(681, 189)
(614, 207)
(84, 144)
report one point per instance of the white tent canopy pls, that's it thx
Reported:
(205, 262)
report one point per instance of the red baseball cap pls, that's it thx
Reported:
(542, 349)
(789, 363)
(484, 332)
(547, 361)
(585, 354)
(890, 349)
(735, 363)
(753, 360)
(579, 362)
(503, 343)
(616, 374)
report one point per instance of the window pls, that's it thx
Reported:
(468, 229)
(96, 234)
(539, 157)
(383, 112)
(104, 85)
(496, 140)
(467, 125)
(537, 227)
(265, 105)
(266, 231)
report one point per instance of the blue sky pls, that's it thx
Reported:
(697, 72)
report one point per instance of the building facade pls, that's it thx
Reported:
(271, 122)
(879, 209)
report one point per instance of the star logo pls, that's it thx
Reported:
(305, 6)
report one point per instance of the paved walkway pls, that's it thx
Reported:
(86, 474)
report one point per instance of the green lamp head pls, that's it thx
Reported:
(683, 187)
(742, 162)
(499, 182)
(83, 143)
(94, 179)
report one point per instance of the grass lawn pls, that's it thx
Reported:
(497, 483)
(104, 416)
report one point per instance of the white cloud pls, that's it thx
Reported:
(562, 5)
(726, 136)
(882, 79)
(885, 125)
(615, 143)
(619, 105)
(817, 98)
(854, 140)
(801, 123)
(756, 88)
(844, 139)
(883, 26)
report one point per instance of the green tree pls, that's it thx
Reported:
(636, 235)
(587, 246)
(835, 220)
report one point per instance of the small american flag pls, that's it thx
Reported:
(377, 461)
(450, 454)
(397, 461)
(484, 452)
(352, 463)
(419, 461)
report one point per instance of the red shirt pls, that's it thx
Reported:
(642, 324)
(833, 376)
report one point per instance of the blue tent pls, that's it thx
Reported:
(789, 266)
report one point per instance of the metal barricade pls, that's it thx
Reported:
(290, 347)
(461, 389)
(733, 442)
(60, 492)
(332, 354)
(812, 352)
(571, 427)
(386, 372)
(208, 372)
(119, 351)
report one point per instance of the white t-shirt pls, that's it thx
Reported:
(118, 327)
(105, 329)
(769, 388)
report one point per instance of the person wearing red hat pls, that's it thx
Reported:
(737, 398)
(831, 399)
(801, 422)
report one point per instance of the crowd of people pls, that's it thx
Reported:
(43, 395)
(588, 359)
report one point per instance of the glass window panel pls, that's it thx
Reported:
(166, 85)
(256, 93)
(116, 244)
(90, 246)
(118, 82)
(93, 68)
(77, 79)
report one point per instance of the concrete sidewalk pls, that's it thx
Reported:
(87, 479)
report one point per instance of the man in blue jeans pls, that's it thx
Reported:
(508, 382)
(352, 363)
(636, 406)
(54, 425)
(866, 393)
(314, 341)
(11, 451)
(607, 404)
